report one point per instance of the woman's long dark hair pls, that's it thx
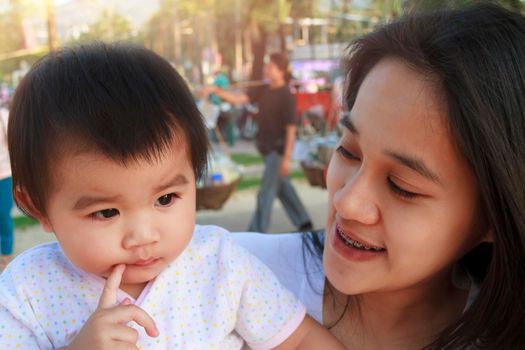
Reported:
(477, 55)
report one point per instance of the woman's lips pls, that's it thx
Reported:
(355, 242)
(353, 250)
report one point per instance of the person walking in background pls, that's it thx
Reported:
(275, 141)
(6, 196)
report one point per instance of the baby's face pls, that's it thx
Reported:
(104, 213)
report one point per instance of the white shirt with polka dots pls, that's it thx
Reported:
(215, 295)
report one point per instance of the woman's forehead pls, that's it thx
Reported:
(401, 95)
(400, 111)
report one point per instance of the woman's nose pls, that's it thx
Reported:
(355, 200)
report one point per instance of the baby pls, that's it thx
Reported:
(106, 145)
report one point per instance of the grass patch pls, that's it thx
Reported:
(247, 159)
(23, 222)
(248, 182)
(297, 174)
(255, 181)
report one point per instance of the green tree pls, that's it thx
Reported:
(11, 34)
(110, 26)
(12, 41)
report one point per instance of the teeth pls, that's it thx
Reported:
(350, 242)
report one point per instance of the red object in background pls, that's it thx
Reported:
(331, 110)
(306, 100)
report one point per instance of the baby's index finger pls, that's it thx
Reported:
(108, 298)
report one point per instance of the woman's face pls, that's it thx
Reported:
(404, 205)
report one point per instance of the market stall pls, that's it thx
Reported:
(314, 154)
(223, 174)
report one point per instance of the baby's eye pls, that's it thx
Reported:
(105, 214)
(166, 199)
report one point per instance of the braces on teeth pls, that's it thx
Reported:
(350, 242)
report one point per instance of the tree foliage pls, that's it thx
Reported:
(110, 26)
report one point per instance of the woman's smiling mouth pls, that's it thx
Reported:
(355, 243)
(349, 247)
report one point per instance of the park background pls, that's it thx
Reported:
(203, 37)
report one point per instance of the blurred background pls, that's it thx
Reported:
(201, 37)
(221, 42)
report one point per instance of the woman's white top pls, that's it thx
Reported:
(301, 271)
(296, 268)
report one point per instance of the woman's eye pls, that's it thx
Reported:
(105, 214)
(398, 191)
(166, 200)
(345, 153)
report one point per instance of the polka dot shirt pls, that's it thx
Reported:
(215, 295)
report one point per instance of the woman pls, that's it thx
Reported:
(425, 236)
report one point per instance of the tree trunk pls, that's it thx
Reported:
(259, 37)
(282, 38)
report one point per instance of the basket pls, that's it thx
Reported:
(314, 174)
(214, 197)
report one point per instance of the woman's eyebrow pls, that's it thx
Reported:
(411, 162)
(415, 164)
(347, 122)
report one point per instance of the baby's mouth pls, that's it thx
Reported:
(146, 262)
(356, 244)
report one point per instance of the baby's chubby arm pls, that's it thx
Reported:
(310, 335)
(106, 328)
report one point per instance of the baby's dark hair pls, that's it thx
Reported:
(119, 99)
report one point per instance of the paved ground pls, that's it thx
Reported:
(235, 214)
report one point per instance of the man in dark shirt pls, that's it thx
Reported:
(275, 141)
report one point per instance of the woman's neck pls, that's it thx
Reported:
(408, 319)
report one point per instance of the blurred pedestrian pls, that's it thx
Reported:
(275, 140)
(6, 196)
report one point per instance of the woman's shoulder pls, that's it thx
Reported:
(286, 250)
(291, 258)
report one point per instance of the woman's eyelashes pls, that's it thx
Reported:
(347, 154)
(398, 191)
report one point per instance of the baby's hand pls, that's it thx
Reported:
(107, 327)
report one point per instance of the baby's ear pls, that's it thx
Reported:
(26, 204)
